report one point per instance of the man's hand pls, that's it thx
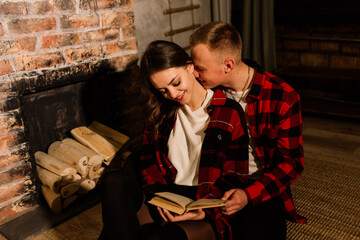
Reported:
(192, 215)
(238, 200)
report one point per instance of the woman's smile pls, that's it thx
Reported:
(180, 98)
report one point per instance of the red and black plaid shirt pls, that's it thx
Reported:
(276, 128)
(223, 163)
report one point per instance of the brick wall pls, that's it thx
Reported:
(57, 39)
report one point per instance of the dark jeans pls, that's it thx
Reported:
(264, 221)
(122, 198)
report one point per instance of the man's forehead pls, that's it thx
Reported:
(201, 53)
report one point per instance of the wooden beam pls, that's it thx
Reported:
(181, 9)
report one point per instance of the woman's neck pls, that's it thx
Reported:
(198, 98)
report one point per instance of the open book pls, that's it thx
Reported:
(180, 204)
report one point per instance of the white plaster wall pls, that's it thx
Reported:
(152, 24)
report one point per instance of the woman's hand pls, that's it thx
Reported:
(238, 200)
(198, 214)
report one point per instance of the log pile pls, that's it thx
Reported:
(72, 167)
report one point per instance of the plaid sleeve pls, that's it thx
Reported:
(287, 151)
(152, 173)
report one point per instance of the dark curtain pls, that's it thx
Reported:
(255, 21)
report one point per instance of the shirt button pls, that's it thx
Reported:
(209, 108)
(219, 137)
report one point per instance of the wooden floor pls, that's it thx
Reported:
(88, 224)
(85, 226)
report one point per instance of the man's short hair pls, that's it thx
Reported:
(220, 37)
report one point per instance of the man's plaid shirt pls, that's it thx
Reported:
(274, 117)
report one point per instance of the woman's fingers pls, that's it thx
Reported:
(169, 216)
(162, 214)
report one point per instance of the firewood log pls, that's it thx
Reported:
(86, 185)
(53, 199)
(96, 142)
(95, 160)
(116, 138)
(53, 164)
(70, 155)
(69, 189)
(49, 179)
(92, 155)
(67, 201)
(70, 179)
(99, 172)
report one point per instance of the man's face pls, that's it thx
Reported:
(208, 68)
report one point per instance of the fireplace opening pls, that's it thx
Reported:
(51, 111)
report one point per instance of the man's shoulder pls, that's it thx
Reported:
(269, 81)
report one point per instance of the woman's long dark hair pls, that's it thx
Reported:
(160, 55)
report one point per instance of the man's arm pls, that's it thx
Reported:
(288, 162)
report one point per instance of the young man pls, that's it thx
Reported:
(272, 111)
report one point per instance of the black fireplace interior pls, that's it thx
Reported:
(50, 111)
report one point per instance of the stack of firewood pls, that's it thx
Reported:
(72, 167)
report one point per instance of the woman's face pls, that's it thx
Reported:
(175, 83)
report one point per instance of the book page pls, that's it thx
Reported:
(166, 204)
(180, 200)
(206, 203)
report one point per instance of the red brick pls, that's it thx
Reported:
(128, 32)
(13, 8)
(117, 47)
(79, 21)
(353, 48)
(16, 173)
(54, 41)
(101, 4)
(5, 67)
(83, 53)
(104, 4)
(119, 19)
(287, 59)
(9, 121)
(14, 155)
(31, 25)
(39, 61)
(324, 46)
(103, 34)
(314, 60)
(17, 208)
(1, 30)
(8, 192)
(7, 141)
(127, 3)
(296, 44)
(53, 6)
(20, 45)
(345, 62)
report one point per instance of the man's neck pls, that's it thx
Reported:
(240, 77)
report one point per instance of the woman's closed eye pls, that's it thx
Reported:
(176, 84)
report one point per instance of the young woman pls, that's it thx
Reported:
(195, 144)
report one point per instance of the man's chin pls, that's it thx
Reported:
(205, 85)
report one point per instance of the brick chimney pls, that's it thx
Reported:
(43, 42)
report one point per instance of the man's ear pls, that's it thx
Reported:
(190, 66)
(229, 64)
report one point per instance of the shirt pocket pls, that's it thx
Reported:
(215, 147)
